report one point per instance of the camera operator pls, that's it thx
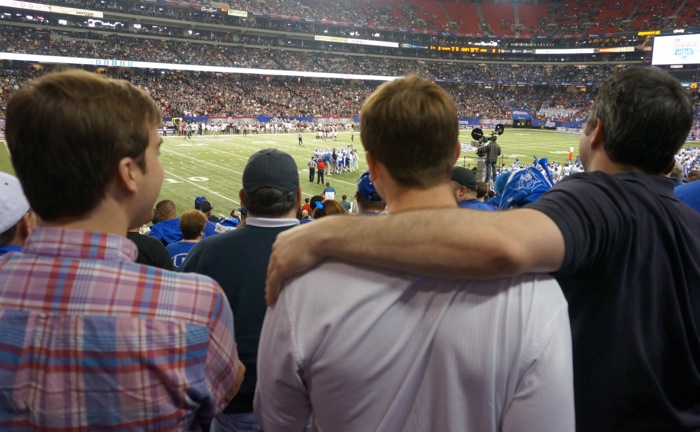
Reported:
(491, 152)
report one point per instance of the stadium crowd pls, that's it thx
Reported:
(228, 95)
(556, 18)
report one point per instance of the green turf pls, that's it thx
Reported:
(5, 164)
(213, 165)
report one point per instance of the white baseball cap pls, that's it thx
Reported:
(13, 203)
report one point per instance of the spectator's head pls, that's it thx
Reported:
(642, 117)
(16, 219)
(328, 207)
(368, 200)
(271, 185)
(192, 223)
(198, 202)
(78, 140)
(674, 171)
(693, 176)
(463, 184)
(315, 200)
(408, 117)
(165, 210)
(203, 205)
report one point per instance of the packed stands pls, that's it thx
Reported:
(550, 18)
(485, 84)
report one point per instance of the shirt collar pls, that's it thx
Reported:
(263, 222)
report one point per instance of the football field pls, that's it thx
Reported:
(213, 165)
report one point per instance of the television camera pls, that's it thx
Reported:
(480, 139)
(478, 134)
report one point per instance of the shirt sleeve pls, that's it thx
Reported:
(222, 365)
(544, 397)
(155, 232)
(590, 217)
(281, 399)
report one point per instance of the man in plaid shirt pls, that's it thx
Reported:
(90, 340)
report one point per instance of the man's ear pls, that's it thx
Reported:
(373, 166)
(299, 201)
(241, 196)
(598, 135)
(128, 173)
(370, 160)
(26, 225)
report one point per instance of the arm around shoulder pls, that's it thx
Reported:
(447, 243)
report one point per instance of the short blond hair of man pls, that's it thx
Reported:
(408, 116)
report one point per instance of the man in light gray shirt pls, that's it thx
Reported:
(369, 349)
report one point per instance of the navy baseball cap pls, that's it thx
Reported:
(366, 189)
(270, 168)
(465, 177)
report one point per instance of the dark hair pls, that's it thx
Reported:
(270, 202)
(67, 132)
(408, 117)
(369, 205)
(481, 189)
(9, 235)
(167, 208)
(329, 207)
(646, 117)
(315, 199)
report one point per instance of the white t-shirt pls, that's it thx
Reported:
(375, 350)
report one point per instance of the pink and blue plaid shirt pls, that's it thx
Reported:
(90, 340)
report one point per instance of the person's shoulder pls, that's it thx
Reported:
(537, 296)
(143, 240)
(692, 187)
(326, 282)
(212, 246)
(689, 193)
(540, 283)
(197, 292)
